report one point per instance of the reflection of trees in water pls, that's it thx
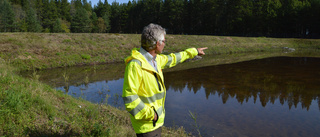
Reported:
(76, 76)
(243, 83)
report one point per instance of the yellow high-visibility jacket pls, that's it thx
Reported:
(144, 91)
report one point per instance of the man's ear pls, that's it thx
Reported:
(157, 44)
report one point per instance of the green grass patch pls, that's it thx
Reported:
(85, 56)
(66, 41)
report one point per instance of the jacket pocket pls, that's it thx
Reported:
(155, 121)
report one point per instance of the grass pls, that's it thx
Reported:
(28, 51)
(196, 126)
(31, 108)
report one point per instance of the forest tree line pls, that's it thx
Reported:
(268, 18)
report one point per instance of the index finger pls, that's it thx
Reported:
(204, 48)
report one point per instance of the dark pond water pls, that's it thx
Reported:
(277, 96)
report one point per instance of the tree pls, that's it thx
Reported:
(50, 15)
(6, 16)
(33, 24)
(81, 22)
(87, 5)
(57, 27)
(98, 9)
(124, 17)
(65, 10)
(94, 20)
(239, 15)
(135, 18)
(76, 3)
(115, 18)
(103, 13)
(39, 9)
(130, 19)
(106, 19)
(210, 14)
(272, 18)
(314, 21)
(196, 10)
(19, 19)
(101, 25)
(58, 6)
(150, 12)
(173, 15)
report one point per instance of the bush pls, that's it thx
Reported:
(85, 56)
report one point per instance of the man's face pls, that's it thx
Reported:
(160, 45)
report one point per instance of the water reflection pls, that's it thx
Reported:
(290, 80)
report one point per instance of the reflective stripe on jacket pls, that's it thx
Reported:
(144, 90)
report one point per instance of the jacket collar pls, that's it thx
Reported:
(147, 55)
(135, 54)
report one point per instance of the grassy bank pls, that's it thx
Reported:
(28, 51)
(31, 108)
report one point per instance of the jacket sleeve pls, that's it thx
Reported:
(168, 61)
(131, 85)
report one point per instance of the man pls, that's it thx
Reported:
(144, 91)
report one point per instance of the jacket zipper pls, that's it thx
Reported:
(155, 75)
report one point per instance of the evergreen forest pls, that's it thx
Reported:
(249, 18)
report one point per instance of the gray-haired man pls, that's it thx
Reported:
(143, 88)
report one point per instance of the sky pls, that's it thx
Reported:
(94, 2)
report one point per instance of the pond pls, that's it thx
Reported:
(274, 96)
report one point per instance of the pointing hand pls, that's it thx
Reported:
(201, 51)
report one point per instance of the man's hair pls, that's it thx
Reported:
(150, 35)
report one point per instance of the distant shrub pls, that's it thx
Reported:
(46, 30)
(85, 56)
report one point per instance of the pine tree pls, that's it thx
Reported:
(106, 19)
(81, 22)
(115, 17)
(65, 10)
(86, 5)
(173, 15)
(76, 3)
(33, 24)
(150, 11)
(39, 9)
(94, 20)
(57, 3)
(130, 21)
(57, 28)
(124, 17)
(50, 15)
(98, 9)
(6, 16)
